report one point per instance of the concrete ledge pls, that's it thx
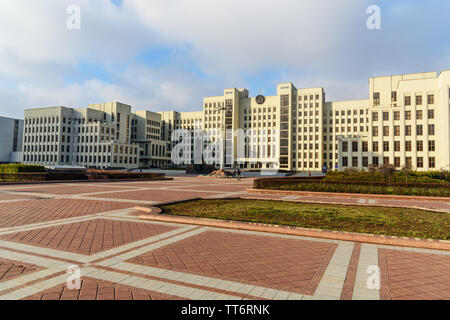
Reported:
(153, 214)
(347, 195)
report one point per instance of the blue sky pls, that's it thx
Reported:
(163, 55)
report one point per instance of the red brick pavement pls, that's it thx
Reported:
(285, 264)
(13, 269)
(12, 196)
(414, 276)
(88, 237)
(349, 284)
(68, 190)
(280, 263)
(33, 211)
(155, 195)
(93, 289)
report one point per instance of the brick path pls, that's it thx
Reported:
(44, 229)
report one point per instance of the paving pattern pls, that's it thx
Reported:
(50, 232)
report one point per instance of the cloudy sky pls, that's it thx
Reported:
(169, 54)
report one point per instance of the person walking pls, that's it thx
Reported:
(239, 174)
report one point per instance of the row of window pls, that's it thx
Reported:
(80, 159)
(386, 146)
(419, 99)
(419, 115)
(408, 130)
(386, 160)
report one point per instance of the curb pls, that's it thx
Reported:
(348, 195)
(154, 214)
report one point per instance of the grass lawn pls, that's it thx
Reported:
(376, 220)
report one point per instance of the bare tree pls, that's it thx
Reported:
(388, 170)
(406, 169)
(373, 168)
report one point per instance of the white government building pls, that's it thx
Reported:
(406, 120)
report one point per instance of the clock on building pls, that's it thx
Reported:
(260, 99)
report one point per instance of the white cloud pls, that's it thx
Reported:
(314, 43)
(232, 36)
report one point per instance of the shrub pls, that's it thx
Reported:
(18, 168)
(369, 187)
(22, 177)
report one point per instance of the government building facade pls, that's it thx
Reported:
(406, 120)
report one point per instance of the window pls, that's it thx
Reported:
(375, 161)
(344, 161)
(375, 131)
(375, 116)
(386, 160)
(376, 98)
(394, 96)
(408, 146)
(385, 146)
(430, 114)
(284, 100)
(419, 145)
(365, 146)
(385, 131)
(407, 100)
(355, 162)
(396, 115)
(419, 130)
(407, 130)
(365, 161)
(430, 99)
(355, 146)
(432, 162)
(419, 114)
(397, 162)
(418, 100)
(385, 116)
(407, 115)
(396, 131)
(344, 146)
(431, 130)
(375, 146)
(431, 146)
(419, 162)
(408, 161)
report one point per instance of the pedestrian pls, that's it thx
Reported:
(239, 174)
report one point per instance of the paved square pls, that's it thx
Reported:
(45, 228)
(155, 195)
(284, 264)
(28, 212)
(415, 276)
(10, 269)
(93, 289)
(88, 237)
(70, 189)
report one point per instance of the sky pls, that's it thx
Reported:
(168, 55)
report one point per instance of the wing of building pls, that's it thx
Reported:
(11, 137)
(405, 120)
